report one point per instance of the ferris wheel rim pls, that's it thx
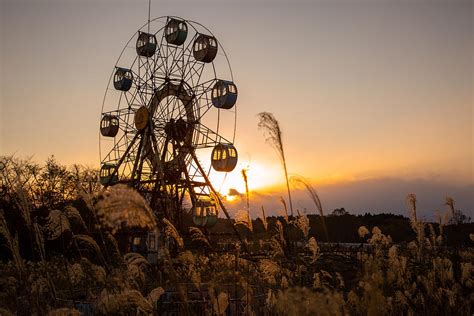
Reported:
(195, 25)
(147, 24)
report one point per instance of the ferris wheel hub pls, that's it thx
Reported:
(177, 129)
(141, 118)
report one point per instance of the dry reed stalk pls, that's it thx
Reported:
(302, 223)
(243, 217)
(74, 216)
(411, 202)
(450, 203)
(416, 225)
(314, 197)
(264, 219)
(123, 303)
(220, 303)
(198, 236)
(120, 206)
(172, 232)
(155, 295)
(89, 242)
(12, 243)
(273, 136)
(244, 176)
(23, 204)
(56, 224)
(279, 229)
(282, 201)
(112, 244)
(136, 259)
(312, 245)
(363, 231)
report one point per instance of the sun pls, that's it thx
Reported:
(260, 176)
(231, 198)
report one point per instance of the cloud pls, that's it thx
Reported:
(234, 192)
(381, 195)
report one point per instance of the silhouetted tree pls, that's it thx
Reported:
(459, 218)
(339, 212)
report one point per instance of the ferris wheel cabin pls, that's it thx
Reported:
(176, 31)
(224, 94)
(224, 157)
(146, 44)
(109, 125)
(205, 48)
(205, 213)
(107, 176)
(123, 79)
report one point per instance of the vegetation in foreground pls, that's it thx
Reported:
(62, 241)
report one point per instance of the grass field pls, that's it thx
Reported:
(63, 240)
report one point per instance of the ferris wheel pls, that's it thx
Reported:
(168, 118)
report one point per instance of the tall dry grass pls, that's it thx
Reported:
(11, 243)
(269, 124)
(423, 277)
(245, 178)
(120, 207)
(198, 236)
(264, 219)
(298, 180)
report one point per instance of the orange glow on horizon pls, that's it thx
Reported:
(260, 177)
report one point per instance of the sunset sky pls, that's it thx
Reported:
(375, 98)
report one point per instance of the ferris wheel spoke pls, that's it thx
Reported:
(138, 84)
(193, 72)
(134, 97)
(163, 110)
(147, 86)
(204, 87)
(154, 74)
(156, 59)
(191, 61)
(165, 58)
(158, 55)
(202, 110)
(178, 110)
(149, 69)
(172, 51)
(160, 68)
(171, 109)
(119, 149)
(181, 57)
(163, 66)
(120, 114)
(162, 144)
(157, 154)
(175, 63)
(147, 82)
(203, 98)
(204, 137)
